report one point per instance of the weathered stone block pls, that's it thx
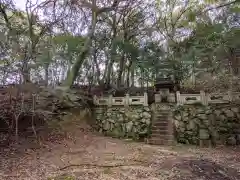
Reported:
(146, 115)
(204, 134)
(129, 126)
(235, 109)
(191, 125)
(229, 113)
(231, 141)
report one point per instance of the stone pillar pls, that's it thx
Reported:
(110, 101)
(145, 99)
(126, 102)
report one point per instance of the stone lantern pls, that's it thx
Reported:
(164, 88)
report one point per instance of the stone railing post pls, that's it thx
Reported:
(95, 102)
(230, 97)
(157, 98)
(126, 102)
(110, 100)
(178, 95)
(203, 98)
(145, 99)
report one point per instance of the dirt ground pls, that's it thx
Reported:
(85, 155)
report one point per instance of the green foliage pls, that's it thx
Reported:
(140, 41)
(72, 43)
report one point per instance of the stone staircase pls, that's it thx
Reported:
(162, 128)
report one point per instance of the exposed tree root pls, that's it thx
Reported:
(99, 165)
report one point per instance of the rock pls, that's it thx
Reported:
(212, 118)
(185, 114)
(112, 126)
(206, 122)
(181, 124)
(118, 132)
(200, 111)
(129, 126)
(111, 120)
(217, 113)
(120, 119)
(148, 122)
(185, 119)
(208, 111)
(134, 117)
(221, 118)
(203, 134)
(189, 133)
(191, 125)
(238, 139)
(223, 129)
(146, 109)
(178, 117)
(202, 116)
(122, 110)
(146, 115)
(136, 123)
(144, 131)
(176, 123)
(238, 116)
(231, 141)
(106, 126)
(229, 113)
(235, 110)
(182, 129)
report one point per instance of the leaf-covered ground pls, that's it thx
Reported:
(85, 155)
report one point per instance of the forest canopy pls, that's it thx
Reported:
(120, 43)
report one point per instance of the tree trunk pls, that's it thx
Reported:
(132, 76)
(25, 71)
(120, 72)
(73, 72)
(46, 74)
(122, 60)
(128, 73)
(113, 52)
(141, 82)
(97, 66)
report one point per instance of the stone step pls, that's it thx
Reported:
(167, 138)
(157, 127)
(160, 123)
(160, 131)
(161, 118)
(161, 115)
(161, 111)
(160, 142)
(159, 136)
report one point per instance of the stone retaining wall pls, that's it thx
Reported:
(219, 123)
(124, 122)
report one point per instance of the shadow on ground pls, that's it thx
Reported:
(206, 169)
